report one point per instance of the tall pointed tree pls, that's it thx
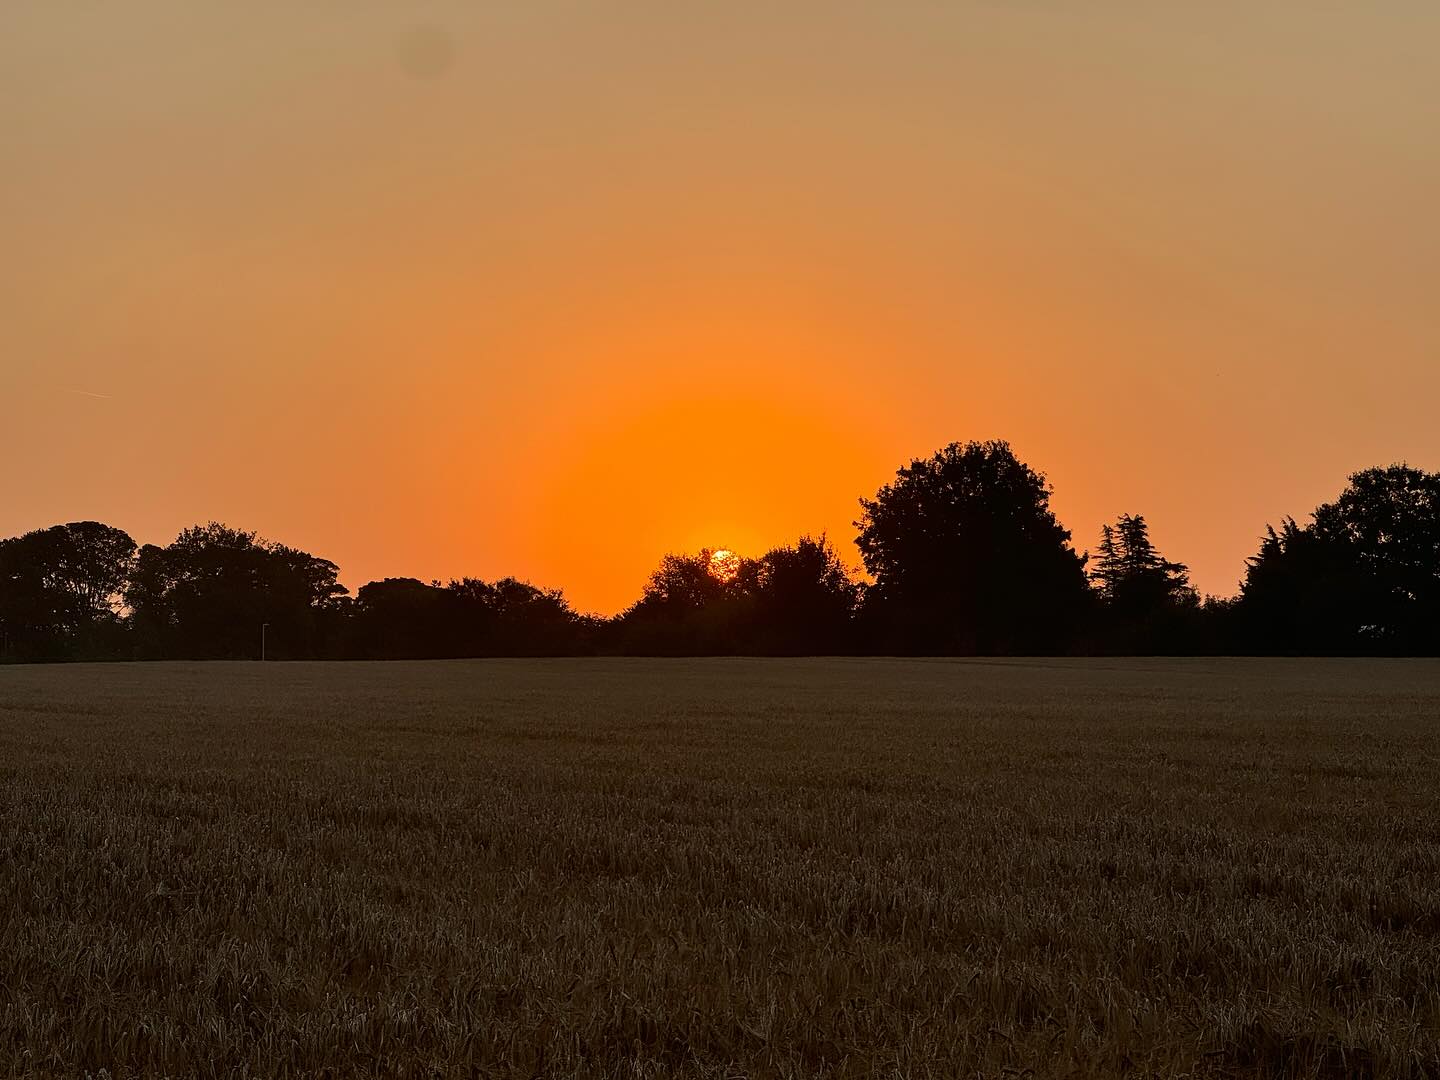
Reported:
(1132, 576)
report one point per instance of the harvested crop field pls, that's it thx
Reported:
(721, 868)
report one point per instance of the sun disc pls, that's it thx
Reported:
(724, 565)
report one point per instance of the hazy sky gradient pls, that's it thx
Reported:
(552, 288)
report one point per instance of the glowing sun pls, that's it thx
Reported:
(724, 565)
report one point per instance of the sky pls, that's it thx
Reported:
(548, 289)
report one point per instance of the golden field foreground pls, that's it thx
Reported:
(721, 868)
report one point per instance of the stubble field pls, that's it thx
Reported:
(721, 868)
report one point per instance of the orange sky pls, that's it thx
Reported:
(552, 288)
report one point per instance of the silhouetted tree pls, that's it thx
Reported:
(1108, 566)
(692, 605)
(1130, 574)
(1362, 577)
(1388, 520)
(60, 591)
(515, 618)
(691, 582)
(1300, 596)
(404, 618)
(208, 594)
(1147, 604)
(796, 599)
(968, 557)
(805, 600)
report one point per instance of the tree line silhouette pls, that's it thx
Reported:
(963, 554)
